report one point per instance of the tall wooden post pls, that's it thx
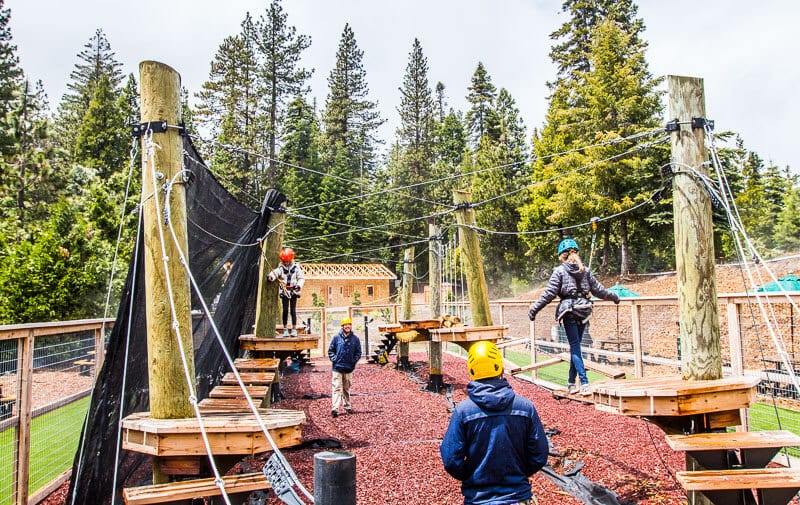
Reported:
(473, 265)
(698, 317)
(169, 391)
(435, 382)
(406, 314)
(267, 297)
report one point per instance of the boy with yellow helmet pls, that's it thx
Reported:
(495, 440)
(344, 352)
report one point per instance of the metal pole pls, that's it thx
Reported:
(334, 478)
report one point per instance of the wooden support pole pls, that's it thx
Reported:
(473, 265)
(435, 382)
(267, 306)
(22, 435)
(169, 391)
(408, 284)
(698, 316)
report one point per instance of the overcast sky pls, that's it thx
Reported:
(745, 50)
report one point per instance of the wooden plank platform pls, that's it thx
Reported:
(773, 486)
(186, 490)
(468, 333)
(755, 448)
(298, 343)
(257, 364)
(228, 433)
(410, 325)
(249, 379)
(237, 392)
(673, 396)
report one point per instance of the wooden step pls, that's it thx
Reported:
(249, 379)
(756, 448)
(256, 364)
(773, 486)
(236, 392)
(214, 405)
(198, 488)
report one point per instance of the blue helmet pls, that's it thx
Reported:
(567, 243)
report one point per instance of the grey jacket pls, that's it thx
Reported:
(569, 283)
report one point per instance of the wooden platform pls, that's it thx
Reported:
(298, 343)
(756, 448)
(412, 325)
(460, 334)
(673, 396)
(772, 486)
(231, 433)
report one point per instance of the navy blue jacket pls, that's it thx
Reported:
(344, 353)
(494, 442)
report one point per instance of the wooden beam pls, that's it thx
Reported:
(473, 264)
(701, 356)
(537, 365)
(267, 303)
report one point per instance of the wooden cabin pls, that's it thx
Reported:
(337, 284)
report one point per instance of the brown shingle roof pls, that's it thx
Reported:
(347, 271)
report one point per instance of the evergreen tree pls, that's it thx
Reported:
(279, 48)
(415, 137)
(350, 124)
(481, 118)
(228, 109)
(26, 170)
(787, 227)
(614, 99)
(10, 74)
(572, 54)
(96, 61)
(102, 140)
(302, 171)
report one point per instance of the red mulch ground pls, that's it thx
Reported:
(397, 428)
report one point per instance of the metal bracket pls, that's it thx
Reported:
(281, 480)
(701, 122)
(138, 130)
(672, 126)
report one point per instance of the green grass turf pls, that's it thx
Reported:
(54, 440)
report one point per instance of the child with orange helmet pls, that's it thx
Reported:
(290, 276)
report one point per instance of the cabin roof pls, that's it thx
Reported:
(342, 271)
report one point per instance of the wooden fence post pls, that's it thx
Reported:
(22, 439)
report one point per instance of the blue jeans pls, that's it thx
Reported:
(574, 330)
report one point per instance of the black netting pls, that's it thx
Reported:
(216, 223)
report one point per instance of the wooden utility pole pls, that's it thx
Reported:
(473, 265)
(698, 317)
(165, 278)
(435, 382)
(408, 284)
(267, 297)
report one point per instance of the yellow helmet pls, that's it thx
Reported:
(345, 321)
(484, 360)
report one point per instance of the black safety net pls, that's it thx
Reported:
(224, 262)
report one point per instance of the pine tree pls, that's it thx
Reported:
(96, 61)
(787, 227)
(571, 56)
(26, 170)
(228, 109)
(350, 123)
(614, 99)
(279, 48)
(10, 74)
(301, 171)
(481, 118)
(102, 140)
(415, 138)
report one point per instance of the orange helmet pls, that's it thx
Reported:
(287, 254)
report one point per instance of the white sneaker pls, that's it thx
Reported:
(572, 389)
(585, 391)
